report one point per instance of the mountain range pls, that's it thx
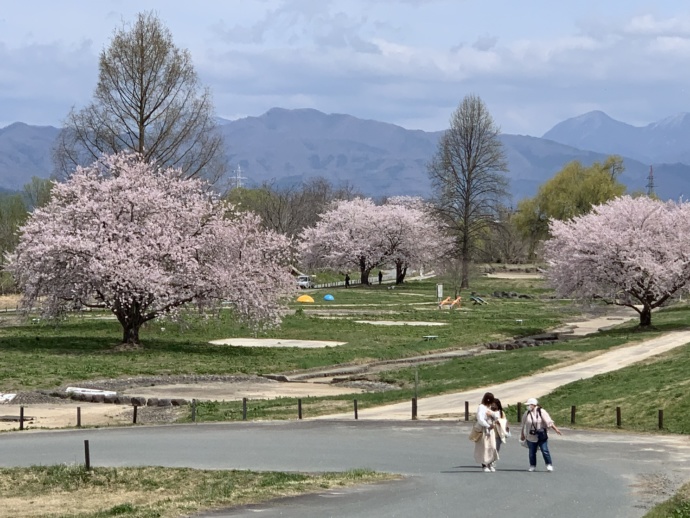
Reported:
(380, 159)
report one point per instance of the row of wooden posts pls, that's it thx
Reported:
(356, 413)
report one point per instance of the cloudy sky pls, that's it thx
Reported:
(408, 62)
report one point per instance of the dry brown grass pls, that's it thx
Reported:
(70, 491)
(77, 502)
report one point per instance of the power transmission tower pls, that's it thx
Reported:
(650, 182)
(238, 177)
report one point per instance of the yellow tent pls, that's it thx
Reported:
(305, 298)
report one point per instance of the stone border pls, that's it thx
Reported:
(120, 400)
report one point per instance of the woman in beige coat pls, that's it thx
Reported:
(485, 448)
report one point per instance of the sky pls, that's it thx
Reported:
(408, 62)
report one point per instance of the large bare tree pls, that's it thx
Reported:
(468, 177)
(148, 100)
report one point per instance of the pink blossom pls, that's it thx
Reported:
(359, 235)
(142, 242)
(630, 251)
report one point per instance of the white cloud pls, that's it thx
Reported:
(407, 62)
(649, 25)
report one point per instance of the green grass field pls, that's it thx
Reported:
(83, 347)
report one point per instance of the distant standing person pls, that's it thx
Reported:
(380, 276)
(535, 424)
(347, 280)
(485, 448)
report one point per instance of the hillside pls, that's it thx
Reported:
(379, 159)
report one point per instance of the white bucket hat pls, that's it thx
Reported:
(532, 401)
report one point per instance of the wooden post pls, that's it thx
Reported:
(21, 417)
(356, 413)
(519, 412)
(416, 380)
(78, 417)
(572, 414)
(87, 456)
(661, 419)
(618, 416)
(414, 408)
(134, 414)
(244, 409)
(193, 410)
(467, 410)
(299, 409)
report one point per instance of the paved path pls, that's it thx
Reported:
(449, 406)
(598, 475)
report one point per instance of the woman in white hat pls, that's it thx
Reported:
(535, 423)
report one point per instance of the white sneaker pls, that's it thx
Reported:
(486, 469)
(532, 468)
(492, 468)
(549, 468)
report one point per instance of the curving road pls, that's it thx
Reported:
(597, 474)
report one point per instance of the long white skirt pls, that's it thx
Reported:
(485, 449)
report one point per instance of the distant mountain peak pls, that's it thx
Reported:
(672, 122)
(592, 120)
(594, 115)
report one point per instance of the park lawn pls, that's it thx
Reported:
(658, 383)
(42, 355)
(147, 492)
(82, 348)
(640, 390)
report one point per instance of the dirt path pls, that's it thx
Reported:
(451, 406)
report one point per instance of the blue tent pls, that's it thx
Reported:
(328, 297)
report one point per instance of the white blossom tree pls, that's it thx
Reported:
(143, 241)
(632, 252)
(361, 236)
(345, 237)
(414, 235)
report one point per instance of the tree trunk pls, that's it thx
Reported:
(465, 261)
(400, 272)
(465, 274)
(131, 321)
(646, 316)
(130, 334)
(363, 271)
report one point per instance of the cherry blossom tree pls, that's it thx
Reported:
(630, 251)
(143, 241)
(346, 237)
(414, 236)
(360, 235)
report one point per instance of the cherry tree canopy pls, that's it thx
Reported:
(630, 251)
(142, 241)
(360, 235)
(414, 236)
